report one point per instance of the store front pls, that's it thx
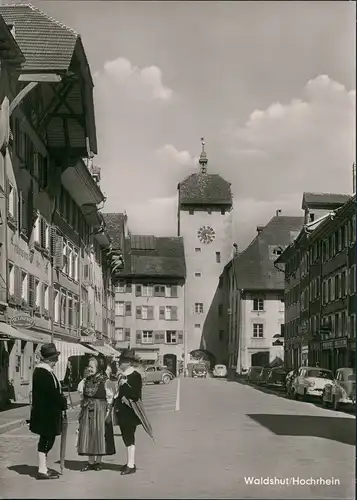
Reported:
(335, 354)
(351, 354)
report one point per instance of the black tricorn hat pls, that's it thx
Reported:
(49, 351)
(129, 355)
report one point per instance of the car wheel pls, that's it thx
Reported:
(335, 404)
(166, 379)
(156, 383)
(323, 401)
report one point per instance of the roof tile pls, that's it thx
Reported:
(201, 188)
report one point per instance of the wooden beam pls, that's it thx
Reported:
(21, 96)
(40, 78)
(55, 103)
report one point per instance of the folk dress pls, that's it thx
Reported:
(95, 435)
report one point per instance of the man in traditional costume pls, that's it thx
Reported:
(48, 403)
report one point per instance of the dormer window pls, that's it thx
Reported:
(191, 211)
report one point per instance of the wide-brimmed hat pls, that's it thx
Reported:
(129, 355)
(49, 351)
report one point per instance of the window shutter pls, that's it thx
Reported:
(17, 273)
(174, 313)
(7, 196)
(128, 288)
(31, 297)
(86, 272)
(138, 336)
(138, 290)
(156, 291)
(180, 337)
(127, 334)
(162, 312)
(151, 312)
(22, 221)
(138, 312)
(53, 240)
(127, 308)
(174, 291)
(43, 233)
(16, 208)
(58, 260)
(159, 337)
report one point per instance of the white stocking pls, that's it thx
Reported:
(99, 459)
(42, 465)
(91, 459)
(131, 456)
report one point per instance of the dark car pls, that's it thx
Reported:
(253, 373)
(263, 377)
(277, 377)
(199, 371)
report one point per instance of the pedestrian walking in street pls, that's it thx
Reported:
(47, 405)
(129, 411)
(95, 433)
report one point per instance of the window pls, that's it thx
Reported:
(147, 336)
(209, 211)
(119, 334)
(197, 249)
(11, 279)
(220, 310)
(127, 308)
(147, 291)
(223, 211)
(171, 337)
(258, 304)
(37, 294)
(75, 266)
(144, 312)
(191, 211)
(24, 287)
(63, 308)
(218, 257)
(353, 279)
(121, 287)
(159, 291)
(45, 289)
(56, 316)
(198, 275)
(168, 312)
(337, 286)
(119, 309)
(199, 308)
(343, 284)
(329, 290)
(221, 335)
(258, 330)
(353, 326)
(11, 201)
(337, 324)
(70, 311)
(197, 325)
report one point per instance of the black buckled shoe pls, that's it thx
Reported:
(98, 466)
(47, 475)
(128, 470)
(87, 467)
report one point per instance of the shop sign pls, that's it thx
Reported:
(327, 345)
(341, 343)
(22, 321)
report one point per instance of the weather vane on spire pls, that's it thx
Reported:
(203, 157)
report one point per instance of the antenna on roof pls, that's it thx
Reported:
(203, 157)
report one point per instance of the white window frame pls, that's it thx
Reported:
(70, 263)
(11, 278)
(37, 229)
(120, 288)
(144, 312)
(37, 293)
(199, 307)
(24, 285)
(119, 334)
(47, 236)
(168, 337)
(46, 301)
(168, 313)
(147, 337)
(260, 307)
(57, 303)
(258, 330)
(120, 308)
(168, 291)
(147, 290)
(11, 200)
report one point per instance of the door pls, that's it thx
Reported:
(260, 358)
(150, 374)
(170, 360)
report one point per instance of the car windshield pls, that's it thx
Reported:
(219, 367)
(320, 374)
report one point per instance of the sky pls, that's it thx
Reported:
(270, 86)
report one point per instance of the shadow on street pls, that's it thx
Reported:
(24, 470)
(77, 465)
(342, 430)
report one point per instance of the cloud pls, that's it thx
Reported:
(121, 71)
(171, 155)
(157, 216)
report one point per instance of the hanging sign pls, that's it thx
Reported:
(22, 321)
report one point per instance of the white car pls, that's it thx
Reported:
(342, 391)
(310, 382)
(220, 371)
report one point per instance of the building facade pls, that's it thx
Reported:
(255, 289)
(320, 281)
(205, 222)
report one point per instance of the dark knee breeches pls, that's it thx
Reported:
(46, 443)
(128, 434)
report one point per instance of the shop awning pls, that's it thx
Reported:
(13, 333)
(106, 350)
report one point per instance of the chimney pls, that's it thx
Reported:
(236, 251)
(11, 27)
(278, 212)
(260, 229)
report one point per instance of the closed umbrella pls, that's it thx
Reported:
(138, 408)
(63, 440)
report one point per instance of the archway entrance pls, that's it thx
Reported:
(170, 360)
(204, 356)
(260, 358)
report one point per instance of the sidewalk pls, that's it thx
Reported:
(16, 417)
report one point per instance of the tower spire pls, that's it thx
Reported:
(203, 157)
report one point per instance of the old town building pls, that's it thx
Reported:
(150, 295)
(55, 241)
(254, 291)
(320, 285)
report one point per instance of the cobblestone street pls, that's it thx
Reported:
(222, 434)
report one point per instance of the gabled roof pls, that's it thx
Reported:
(46, 43)
(165, 257)
(9, 49)
(331, 200)
(205, 189)
(254, 267)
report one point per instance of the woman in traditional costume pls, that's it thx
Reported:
(95, 433)
(129, 411)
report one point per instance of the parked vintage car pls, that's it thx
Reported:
(342, 391)
(290, 377)
(220, 371)
(199, 370)
(276, 378)
(157, 374)
(263, 376)
(253, 373)
(310, 382)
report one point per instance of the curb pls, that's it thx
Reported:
(265, 390)
(16, 424)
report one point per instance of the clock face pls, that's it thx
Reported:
(206, 234)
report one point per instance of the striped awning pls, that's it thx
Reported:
(106, 350)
